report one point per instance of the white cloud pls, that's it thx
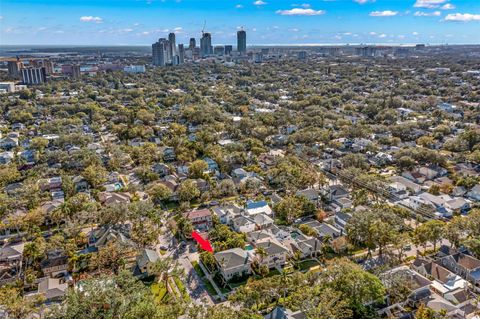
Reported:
(427, 14)
(383, 35)
(386, 13)
(448, 6)
(303, 5)
(373, 33)
(415, 33)
(363, 1)
(238, 6)
(259, 3)
(91, 19)
(428, 3)
(464, 17)
(1, 17)
(300, 12)
(178, 29)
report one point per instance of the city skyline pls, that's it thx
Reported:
(280, 22)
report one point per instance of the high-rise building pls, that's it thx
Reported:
(302, 55)
(219, 50)
(181, 53)
(242, 41)
(33, 75)
(14, 68)
(206, 44)
(71, 70)
(48, 65)
(228, 50)
(172, 47)
(159, 52)
(76, 73)
(193, 43)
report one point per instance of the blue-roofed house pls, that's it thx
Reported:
(212, 165)
(259, 207)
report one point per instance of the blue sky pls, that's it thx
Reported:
(110, 22)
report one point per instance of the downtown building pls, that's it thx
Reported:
(164, 52)
(206, 48)
(242, 42)
(33, 75)
(159, 52)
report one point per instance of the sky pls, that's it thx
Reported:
(142, 22)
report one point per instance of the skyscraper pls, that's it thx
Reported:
(32, 75)
(228, 50)
(158, 52)
(193, 43)
(206, 44)
(181, 53)
(172, 47)
(14, 68)
(242, 41)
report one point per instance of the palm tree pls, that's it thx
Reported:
(262, 253)
(166, 268)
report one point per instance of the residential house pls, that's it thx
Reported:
(474, 193)
(226, 213)
(276, 253)
(336, 192)
(233, 263)
(169, 154)
(406, 185)
(6, 157)
(55, 264)
(311, 194)
(341, 220)
(415, 176)
(161, 169)
(9, 273)
(262, 221)
(444, 281)
(253, 208)
(243, 224)
(306, 246)
(51, 183)
(81, 184)
(465, 266)
(418, 285)
(282, 313)
(52, 289)
(7, 143)
(212, 165)
(145, 262)
(119, 233)
(112, 198)
(12, 252)
(201, 219)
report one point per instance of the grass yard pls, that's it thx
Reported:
(159, 291)
(307, 264)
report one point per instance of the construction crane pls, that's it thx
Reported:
(203, 29)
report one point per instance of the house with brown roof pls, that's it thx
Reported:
(201, 219)
(465, 266)
(444, 281)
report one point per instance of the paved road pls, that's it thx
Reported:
(184, 256)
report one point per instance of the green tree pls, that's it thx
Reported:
(197, 169)
(159, 192)
(188, 190)
(95, 175)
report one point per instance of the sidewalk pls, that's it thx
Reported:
(209, 277)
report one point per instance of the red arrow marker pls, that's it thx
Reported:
(204, 244)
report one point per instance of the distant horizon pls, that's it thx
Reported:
(248, 46)
(267, 22)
